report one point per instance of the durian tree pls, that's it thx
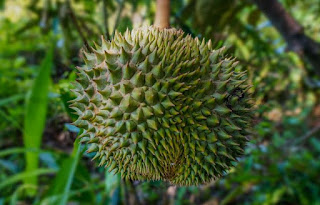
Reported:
(157, 104)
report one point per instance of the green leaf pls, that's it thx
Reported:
(1, 4)
(19, 191)
(65, 97)
(10, 119)
(17, 150)
(35, 117)
(180, 195)
(54, 198)
(21, 176)
(124, 24)
(112, 186)
(232, 194)
(63, 181)
(277, 194)
(11, 99)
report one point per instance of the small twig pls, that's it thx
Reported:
(126, 192)
(134, 199)
(105, 19)
(121, 3)
(11, 120)
(307, 136)
(85, 27)
(25, 27)
(76, 24)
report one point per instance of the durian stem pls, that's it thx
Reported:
(162, 19)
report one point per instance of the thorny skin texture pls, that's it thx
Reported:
(157, 104)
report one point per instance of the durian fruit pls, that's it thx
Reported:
(157, 104)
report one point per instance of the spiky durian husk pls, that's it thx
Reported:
(159, 105)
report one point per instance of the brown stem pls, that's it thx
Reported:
(291, 31)
(162, 19)
(132, 196)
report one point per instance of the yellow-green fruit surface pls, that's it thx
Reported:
(160, 105)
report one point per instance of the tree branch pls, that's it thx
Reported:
(291, 31)
(162, 19)
(304, 138)
(132, 193)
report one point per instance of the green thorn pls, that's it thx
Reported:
(152, 124)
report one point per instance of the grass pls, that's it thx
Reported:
(35, 117)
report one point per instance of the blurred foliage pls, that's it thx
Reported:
(282, 161)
